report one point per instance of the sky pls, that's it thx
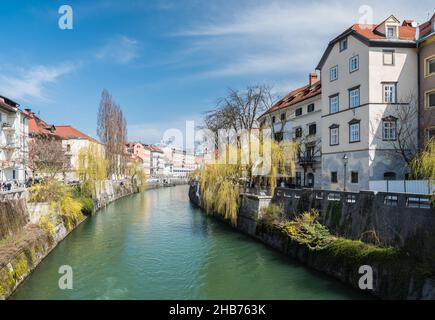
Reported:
(167, 61)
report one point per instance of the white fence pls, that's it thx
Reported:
(403, 186)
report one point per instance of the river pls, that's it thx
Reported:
(156, 245)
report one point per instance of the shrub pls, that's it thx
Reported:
(87, 206)
(46, 224)
(307, 231)
(272, 214)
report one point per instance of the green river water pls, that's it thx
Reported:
(156, 245)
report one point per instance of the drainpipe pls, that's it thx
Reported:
(419, 135)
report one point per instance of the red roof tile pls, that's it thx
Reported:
(297, 96)
(69, 132)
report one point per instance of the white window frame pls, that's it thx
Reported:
(391, 95)
(334, 133)
(333, 73)
(427, 62)
(427, 95)
(342, 41)
(389, 130)
(353, 68)
(354, 99)
(354, 132)
(331, 103)
(394, 35)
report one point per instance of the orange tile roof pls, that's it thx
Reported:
(153, 148)
(297, 96)
(67, 132)
(368, 34)
(426, 28)
(368, 31)
(39, 127)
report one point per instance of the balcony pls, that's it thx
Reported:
(7, 126)
(307, 159)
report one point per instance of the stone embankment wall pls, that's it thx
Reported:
(23, 244)
(399, 220)
(13, 214)
(386, 283)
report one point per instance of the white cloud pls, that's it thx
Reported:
(280, 37)
(120, 49)
(31, 83)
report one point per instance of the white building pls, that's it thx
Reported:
(369, 74)
(297, 117)
(73, 141)
(14, 133)
(158, 161)
(180, 162)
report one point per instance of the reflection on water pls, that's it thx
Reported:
(157, 246)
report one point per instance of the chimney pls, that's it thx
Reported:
(312, 78)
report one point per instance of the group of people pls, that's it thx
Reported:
(9, 185)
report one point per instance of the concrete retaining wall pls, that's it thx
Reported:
(386, 283)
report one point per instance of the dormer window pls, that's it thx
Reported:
(343, 44)
(391, 33)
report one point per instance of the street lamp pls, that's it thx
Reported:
(345, 161)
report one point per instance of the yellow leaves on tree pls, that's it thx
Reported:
(92, 167)
(137, 174)
(423, 165)
(220, 183)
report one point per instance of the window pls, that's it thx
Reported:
(354, 131)
(343, 44)
(310, 107)
(391, 32)
(68, 147)
(354, 177)
(14, 174)
(430, 133)
(298, 178)
(333, 73)
(354, 98)
(429, 66)
(312, 129)
(333, 104)
(298, 132)
(334, 178)
(298, 112)
(389, 129)
(283, 116)
(390, 176)
(310, 150)
(430, 99)
(389, 92)
(388, 57)
(273, 119)
(353, 64)
(333, 135)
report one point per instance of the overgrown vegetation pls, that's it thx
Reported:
(307, 231)
(63, 201)
(221, 183)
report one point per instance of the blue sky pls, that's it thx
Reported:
(165, 61)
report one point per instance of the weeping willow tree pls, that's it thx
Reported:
(92, 167)
(423, 165)
(221, 183)
(136, 172)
